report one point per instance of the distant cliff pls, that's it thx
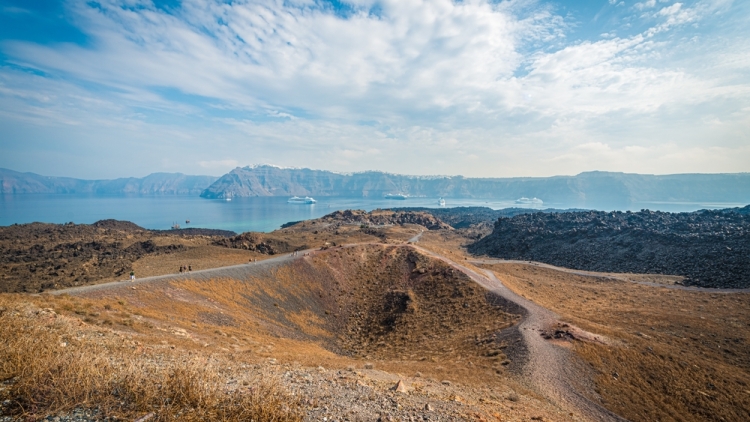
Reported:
(13, 182)
(591, 189)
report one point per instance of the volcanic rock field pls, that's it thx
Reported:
(708, 248)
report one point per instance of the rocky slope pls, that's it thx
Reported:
(13, 182)
(709, 248)
(462, 217)
(586, 190)
(386, 217)
(295, 236)
(36, 257)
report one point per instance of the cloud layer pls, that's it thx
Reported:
(474, 87)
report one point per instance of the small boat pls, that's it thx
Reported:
(399, 196)
(526, 201)
(187, 221)
(441, 202)
(298, 200)
(228, 196)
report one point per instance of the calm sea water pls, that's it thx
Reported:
(239, 215)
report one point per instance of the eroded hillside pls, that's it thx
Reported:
(367, 317)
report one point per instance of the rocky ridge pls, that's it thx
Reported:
(463, 217)
(258, 242)
(708, 248)
(39, 256)
(386, 217)
(13, 182)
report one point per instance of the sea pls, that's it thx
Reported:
(239, 215)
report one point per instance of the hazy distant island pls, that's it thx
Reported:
(595, 189)
(14, 182)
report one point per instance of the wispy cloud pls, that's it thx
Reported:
(455, 79)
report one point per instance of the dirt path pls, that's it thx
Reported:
(238, 272)
(546, 366)
(607, 276)
(415, 239)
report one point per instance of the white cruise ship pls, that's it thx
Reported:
(441, 202)
(298, 200)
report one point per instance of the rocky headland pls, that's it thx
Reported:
(708, 248)
(597, 189)
(14, 183)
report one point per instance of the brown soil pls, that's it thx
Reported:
(365, 317)
(340, 326)
(383, 303)
(675, 355)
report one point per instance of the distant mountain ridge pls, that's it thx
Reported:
(589, 189)
(13, 182)
(586, 190)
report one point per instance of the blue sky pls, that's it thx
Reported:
(111, 88)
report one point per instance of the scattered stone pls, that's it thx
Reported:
(145, 418)
(400, 387)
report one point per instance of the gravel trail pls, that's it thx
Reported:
(547, 367)
(238, 272)
(415, 239)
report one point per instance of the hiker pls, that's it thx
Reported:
(190, 268)
(132, 276)
(180, 268)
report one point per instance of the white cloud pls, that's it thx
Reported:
(645, 5)
(467, 84)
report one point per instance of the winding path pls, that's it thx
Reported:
(547, 367)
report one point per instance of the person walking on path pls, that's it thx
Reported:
(132, 276)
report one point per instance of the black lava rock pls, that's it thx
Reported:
(709, 248)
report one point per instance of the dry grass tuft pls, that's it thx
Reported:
(50, 366)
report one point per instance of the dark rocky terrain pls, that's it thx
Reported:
(38, 256)
(708, 248)
(195, 231)
(386, 217)
(257, 242)
(463, 217)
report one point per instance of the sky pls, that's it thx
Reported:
(114, 88)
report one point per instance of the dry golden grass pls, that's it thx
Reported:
(677, 355)
(51, 364)
(199, 258)
(299, 313)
